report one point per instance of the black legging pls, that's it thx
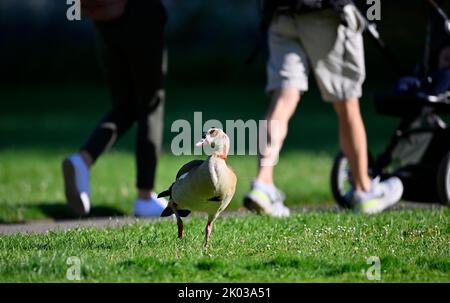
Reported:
(132, 52)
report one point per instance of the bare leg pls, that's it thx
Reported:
(284, 103)
(208, 231)
(353, 141)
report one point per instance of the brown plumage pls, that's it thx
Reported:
(203, 185)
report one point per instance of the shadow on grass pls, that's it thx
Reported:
(60, 211)
(52, 210)
(317, 267)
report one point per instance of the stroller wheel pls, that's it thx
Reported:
(342, 181)
(443, 180)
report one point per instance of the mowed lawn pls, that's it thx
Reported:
(31, 185)
(412, 244)
(39, 126)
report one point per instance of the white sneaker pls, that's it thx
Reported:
(381, 196)
(152, 207)
(266, 199)
(76, 184)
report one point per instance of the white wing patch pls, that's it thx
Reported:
(183, 176)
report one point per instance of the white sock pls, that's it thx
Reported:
(372, 187)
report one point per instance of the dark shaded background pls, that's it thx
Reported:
(52, 90)
(52, 94)
(208, 41)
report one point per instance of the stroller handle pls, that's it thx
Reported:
(371, 29)
(441, 13)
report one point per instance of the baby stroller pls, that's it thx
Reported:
(419, 150)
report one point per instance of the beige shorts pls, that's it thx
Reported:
(317, 40)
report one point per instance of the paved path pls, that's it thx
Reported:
(43, 226)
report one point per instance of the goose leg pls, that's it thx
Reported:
(179, 223)
(208, 230)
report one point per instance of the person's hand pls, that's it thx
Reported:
(103, 10)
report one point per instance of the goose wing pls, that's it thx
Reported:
(183, 171)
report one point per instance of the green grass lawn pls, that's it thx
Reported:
(413, 245)
(40, 126)
(31, 182)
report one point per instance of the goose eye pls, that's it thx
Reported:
(211, 132)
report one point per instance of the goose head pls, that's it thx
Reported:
(218, 140)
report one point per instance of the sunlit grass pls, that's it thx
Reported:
(31, 181)
(319, 246)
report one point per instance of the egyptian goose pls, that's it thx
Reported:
(203, 185)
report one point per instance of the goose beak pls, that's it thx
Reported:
(201, 142)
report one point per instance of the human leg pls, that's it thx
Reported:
(147, 58)
(287, 73)
(116, 122)
(353, 142)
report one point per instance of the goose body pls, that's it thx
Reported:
(207, 187)
(203, 185)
